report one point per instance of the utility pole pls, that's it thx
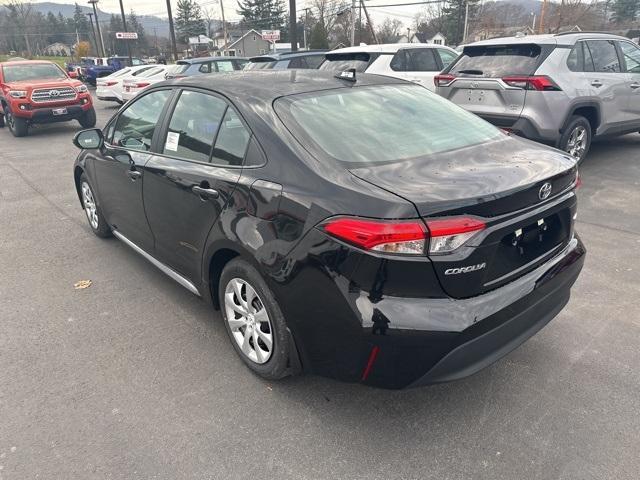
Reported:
(224, 28)
(466, 22)
(101, 50)
(124, 26)
(353, 22)
(366, 14)
(542, 13)
(293, 26)
(304, 30)
(174, 48)
(93, 32)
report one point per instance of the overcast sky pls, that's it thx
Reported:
(158, 8)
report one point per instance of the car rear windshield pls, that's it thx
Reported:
(338, 62)
(375, 124)
(496, 61)
(34, 71)
(181, 67)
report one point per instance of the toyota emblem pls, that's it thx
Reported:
(54, 93)
(545, 191)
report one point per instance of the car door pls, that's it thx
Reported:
(191, 178)
(119, 166)
(631, 56)
(422, 66)
(608, 82)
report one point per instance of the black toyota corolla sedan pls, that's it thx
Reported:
(359, 228)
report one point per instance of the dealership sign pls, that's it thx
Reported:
(270, 35)
(126, 35)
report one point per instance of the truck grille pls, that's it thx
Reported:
(53, 94)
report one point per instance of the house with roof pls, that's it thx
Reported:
(423, 37)
(58, 49)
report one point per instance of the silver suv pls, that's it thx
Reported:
(562, 89)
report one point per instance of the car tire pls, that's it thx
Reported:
(17, 126)
(96, 219)
(258, 324)
(1, 120)
(88, 118)
(576, 138)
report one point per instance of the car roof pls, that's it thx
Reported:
(567, 38)
(386, 48)
(267, 85)
(286, 55)
(207, 59)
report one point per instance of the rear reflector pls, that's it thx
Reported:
(443, 80)
(451, 233)
(538, 82)
(397, 237)
(372, 358)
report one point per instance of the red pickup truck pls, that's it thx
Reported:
(33, 91)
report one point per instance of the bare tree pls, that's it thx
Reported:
(389, 30)
(23, 13)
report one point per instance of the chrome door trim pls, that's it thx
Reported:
(157, 263)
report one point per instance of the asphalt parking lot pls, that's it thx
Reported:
(134, 377)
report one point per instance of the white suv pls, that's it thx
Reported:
(416, 62)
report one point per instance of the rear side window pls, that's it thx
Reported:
(496, 61)
(338, 62)
(205, 68)
(604, 56)
(314, 61)
(224, 66)
(447, 57)
(298, 62)
(136, 124)
(631, 55)
(376, 124)
(193, 127)
(232, 141)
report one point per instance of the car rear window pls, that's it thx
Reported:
(338, 62)
(181, 67)
(375, 124)
(497, 61)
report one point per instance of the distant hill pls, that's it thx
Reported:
(149, 22)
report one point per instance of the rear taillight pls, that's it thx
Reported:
(443, 80)
(450, 233)
(405, 237)
(142, 84)
(397, 237)
(578, 180)
(111, 83)
(539, 82)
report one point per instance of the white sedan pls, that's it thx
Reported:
(133, 86)
(109, 88)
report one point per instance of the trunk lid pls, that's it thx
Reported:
(498, 183)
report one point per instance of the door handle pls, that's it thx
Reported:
(596, 83)
(205, 192)
(635, 85)
(134, 175)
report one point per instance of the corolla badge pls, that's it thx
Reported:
(467, 269)
(545, 191)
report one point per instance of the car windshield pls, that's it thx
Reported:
(378, 124)
(33, 71)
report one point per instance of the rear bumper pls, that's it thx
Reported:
(354, 333)
(523, 126)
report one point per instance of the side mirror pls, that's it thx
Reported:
(73, 74)
(89, 139)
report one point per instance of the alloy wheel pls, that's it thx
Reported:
(577, 143)
(9, 119)
(89, 205)
(248, 321)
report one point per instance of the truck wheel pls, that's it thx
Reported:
(576, 138)
(88, 118)
(17, 126)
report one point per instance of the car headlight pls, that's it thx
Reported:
(18, 93)
(82, 89)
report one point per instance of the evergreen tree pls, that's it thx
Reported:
(625, 11)
(80, 23)
(189, 20)
(319, 37)
(262, 14)
(452, 21)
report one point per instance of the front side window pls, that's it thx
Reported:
(193, 126)
(631, 55)
(604, 56)
(298, 62)
(136, 124)
(314, 61)
(376, 124)
(225, 66)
